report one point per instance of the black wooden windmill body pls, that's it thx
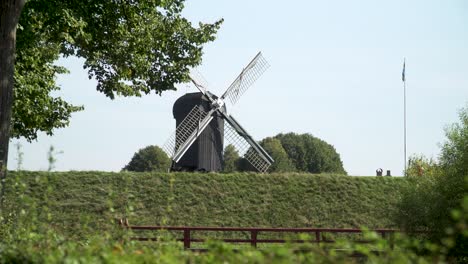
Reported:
(203, 126)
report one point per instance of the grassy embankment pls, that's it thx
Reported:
(94, 200)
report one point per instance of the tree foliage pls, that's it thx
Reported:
(275, 149)
(453, 185)
(430, 202)
(130, 47)
(419, 165)
(231, 159)
(311, 154)
(150, 158)
(298, 152)
(454, 152)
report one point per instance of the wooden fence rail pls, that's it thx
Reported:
(317, 233)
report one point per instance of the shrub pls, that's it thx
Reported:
(419, 165)
(430, 201)
(151, 158)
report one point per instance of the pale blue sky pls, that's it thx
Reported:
(335, 73)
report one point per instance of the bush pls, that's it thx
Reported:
(419, 165)
(429, 202)
(151, 158)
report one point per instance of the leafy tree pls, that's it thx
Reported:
(275, 149)
(294, 152)
(453, 185)
(151, 158)
(311, 154)
(419, 165)
(231, 159)
(430, 201)
(130, 47)
(454, 152)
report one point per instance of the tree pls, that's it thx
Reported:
(10, 11)
(150, 158)
(454, 152)
(453, 185)
(419, 165)
(276, 151)
(231, 159)
(131, 47)
(429, 202)
(311, 154)
(294, 152)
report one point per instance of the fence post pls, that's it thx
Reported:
(392, 240)
(383, 234)
(317, 236)
(186, 238)
(253, 238)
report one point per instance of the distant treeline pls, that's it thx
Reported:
(292, 153)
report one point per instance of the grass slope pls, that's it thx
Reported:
(271, 200)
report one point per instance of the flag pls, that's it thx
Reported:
(403, 78)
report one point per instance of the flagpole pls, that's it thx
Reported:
(404, 110)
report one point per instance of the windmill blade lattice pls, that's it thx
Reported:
(232, 137)
(198, 80)
(247, 77)
(184, 130)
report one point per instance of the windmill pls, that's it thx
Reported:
(203, 125)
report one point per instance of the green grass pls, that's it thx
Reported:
(78, 203)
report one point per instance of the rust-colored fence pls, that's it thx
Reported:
(317, 233)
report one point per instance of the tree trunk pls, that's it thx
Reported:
(10, 11)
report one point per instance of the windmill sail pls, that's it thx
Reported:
(198, 80)
(193, 124)
(246, 78)
(248, 148)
